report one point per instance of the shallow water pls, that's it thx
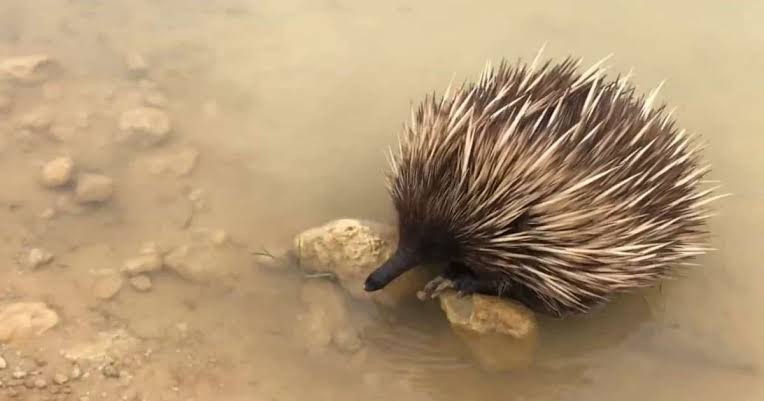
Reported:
(291, 105)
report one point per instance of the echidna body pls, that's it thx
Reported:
(549, 186)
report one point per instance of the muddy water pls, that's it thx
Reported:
(291, 105)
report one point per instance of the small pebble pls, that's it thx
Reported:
(3, 363)
(38, 257)
(110, 371)
(57, 172)
(40, 383)
(141, 283)
(38, 120)
(19, 374)
(76, 372)
(145, 263)
(60, 378)
(48, 213)
(94, 188)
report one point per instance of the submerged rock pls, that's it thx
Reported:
(93, 188)
(27, 69)
(350, 250)
(23, 320)
(57, 172)
(204, 262)
(144, 126)
(327, 319)
(501, 334)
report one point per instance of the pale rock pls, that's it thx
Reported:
(351, 250)
(38, 257)
(141, 283)
(27, 69)
(107, 286)
(93, 188)
(327, 320)
(219, 237)
(145, 263)
(60, 378)
(3, 363)
(145, 126)
(180, 163)
(501, 334)
(23, 320)
(57, 172)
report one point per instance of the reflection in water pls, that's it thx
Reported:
(291, 105)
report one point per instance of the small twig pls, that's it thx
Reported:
(263, 253)
(318, 275)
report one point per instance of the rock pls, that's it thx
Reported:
(141, 283)
(351, 249)
(48, 213)
(76, 371)
(210, 109)
(40, 383)
(501, 334)
(203, 262)
(145, 263)
(114, 344)
(3, 363)
(38, 257)
(6, 104)
(181, 163)
(108, 286)
(19, 374)
(26, 70)
(66, 203)
(37, 120)
(145, 126)
(25, 319)
(57, 172)
(60, 378)
(93, 188)
(110, 371)
(327, 319)
(136, 64)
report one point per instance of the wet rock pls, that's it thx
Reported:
(26, 70)
(108, 286)
(93, 188)
(38, 257)
(57, 172)
(115, 344)
(501, 334)
(351, 249)
(25, 319)
(203, 262)
(145, 263)
(144, 126)
(327, 319)
(141, 283)
(136, 64)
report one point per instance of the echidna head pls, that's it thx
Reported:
(417, 245)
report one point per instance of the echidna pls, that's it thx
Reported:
(552, 187)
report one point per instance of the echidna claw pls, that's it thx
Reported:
(435, 287)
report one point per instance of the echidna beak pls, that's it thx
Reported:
(401, 262)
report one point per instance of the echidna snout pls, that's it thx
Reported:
(426, 245)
